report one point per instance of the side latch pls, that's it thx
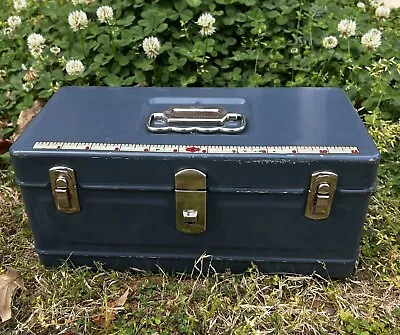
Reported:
(63, 186)
(191, 196)
(320, 195)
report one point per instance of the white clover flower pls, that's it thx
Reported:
(376, 3)
(14, 22)
(78, 2)
(36, 52)
(294, 51)
(347, 28)
(105, 14)
(27, 86)
(206, 21)
(74, 67)
(330, 42)
(371, 40)
(8, 31)
(382, 12)
(78, 20)
(361, 5)
(31, 75)
(36, 44)
(55, 50)
(20, 5)
(273, 65)
(35, 40)
(151, 46)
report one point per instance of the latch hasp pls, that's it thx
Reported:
(320, 195)
(63, 186)
(191, 199)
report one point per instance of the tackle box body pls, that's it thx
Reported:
(205, 177)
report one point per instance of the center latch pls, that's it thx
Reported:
(191, 196)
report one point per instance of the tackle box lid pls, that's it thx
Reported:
(285, 132)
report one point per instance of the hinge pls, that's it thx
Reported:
(63, 186)
(320, 195)
(191, 196)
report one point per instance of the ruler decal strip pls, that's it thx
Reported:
(196, 149)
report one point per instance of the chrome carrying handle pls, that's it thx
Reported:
(196, 119)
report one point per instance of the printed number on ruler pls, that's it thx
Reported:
(196, 149)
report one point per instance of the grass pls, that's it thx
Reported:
(73, 301)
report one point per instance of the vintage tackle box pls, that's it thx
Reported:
(164, 177)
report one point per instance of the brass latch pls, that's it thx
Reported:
(63, 186)
(320, 195)
(191, 195)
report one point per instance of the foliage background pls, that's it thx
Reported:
(257, 43)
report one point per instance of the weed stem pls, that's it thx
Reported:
(205, 51)
(114, 50)
(256, 65)
(154, 72)
(83, 45)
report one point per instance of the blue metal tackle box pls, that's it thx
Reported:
(222, 177)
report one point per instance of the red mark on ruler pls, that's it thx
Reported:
(323, 151)
(355, 152)
(193, 149)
